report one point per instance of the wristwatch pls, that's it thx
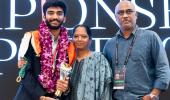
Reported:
(153, 96)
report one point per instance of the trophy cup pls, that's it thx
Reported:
(64, 71)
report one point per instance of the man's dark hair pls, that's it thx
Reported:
(54, 3)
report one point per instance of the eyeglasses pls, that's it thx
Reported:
(122, 12)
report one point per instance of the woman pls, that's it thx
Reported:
(91, 74)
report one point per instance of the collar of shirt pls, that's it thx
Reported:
(120, 34)
(54, 43)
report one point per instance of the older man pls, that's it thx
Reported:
(138, 58)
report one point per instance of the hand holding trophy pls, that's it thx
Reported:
(64, 71)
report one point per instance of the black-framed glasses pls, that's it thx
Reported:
(122, 12)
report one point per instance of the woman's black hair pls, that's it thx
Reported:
(88, 30)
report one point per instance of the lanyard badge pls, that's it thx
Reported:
(119, 71)
(119, 77)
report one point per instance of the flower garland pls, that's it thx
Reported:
(47, 77)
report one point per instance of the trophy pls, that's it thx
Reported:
(64, 71)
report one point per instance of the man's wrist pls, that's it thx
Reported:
(153, 96)
(42, 97)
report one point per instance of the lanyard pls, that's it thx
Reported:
(129, 50)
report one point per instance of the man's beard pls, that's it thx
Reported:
(54, 27)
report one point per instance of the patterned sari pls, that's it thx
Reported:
(91, 79)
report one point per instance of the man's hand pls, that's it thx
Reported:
(146, 97)
(21, 62)
(46, 98)
(153, 95)
(62, 85)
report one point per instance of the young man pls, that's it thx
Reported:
(43, 51)
(138, 58)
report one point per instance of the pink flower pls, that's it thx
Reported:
(46, 77)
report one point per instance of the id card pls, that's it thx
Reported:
(119, 77)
